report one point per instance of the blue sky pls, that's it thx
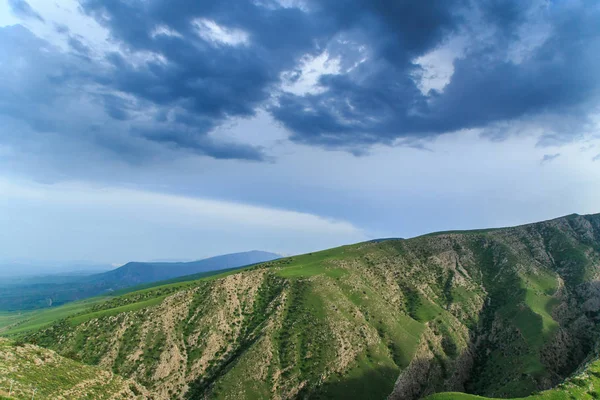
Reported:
(183, 129)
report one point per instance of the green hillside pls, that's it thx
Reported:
(26, 368)
(12, 323)
(499, 313)
(583, 386)
(18, 323)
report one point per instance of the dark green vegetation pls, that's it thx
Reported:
(582, 386)
(499, 313)
(55, 291)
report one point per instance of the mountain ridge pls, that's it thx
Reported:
(502, 313)
(136, 272)
(43, 295)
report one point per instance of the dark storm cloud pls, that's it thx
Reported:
(61, 96)
(396, 30)
(22, 9)
(184, 67)
(181, 74)
(209, 79)
(218, 81)
(381, 102)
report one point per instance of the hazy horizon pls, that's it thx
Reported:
(38, 267)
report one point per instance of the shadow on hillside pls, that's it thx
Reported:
(376, 383)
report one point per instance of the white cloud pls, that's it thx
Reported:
(165, 31)
(210, 31)
(66, 13)
(274, 4)
(305, 79)
(77, 221)
(438, 65)
(6, 16)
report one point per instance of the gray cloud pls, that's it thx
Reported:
(380, 102)
(174, 80)
(78, 46)
(22, 9)
(73, 105)
(549, 157)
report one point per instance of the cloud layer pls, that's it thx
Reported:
(128, 224)
(174, 71)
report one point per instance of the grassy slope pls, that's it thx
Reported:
(33, 320)
(52, 376)
(8, 318)
(14, 324)
(345, 322)
(378, 338)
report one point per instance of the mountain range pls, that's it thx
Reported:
(502, 313)
(50, 291)
(135, 273)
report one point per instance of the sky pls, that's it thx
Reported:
(180, 129)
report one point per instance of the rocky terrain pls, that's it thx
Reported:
(500, 313)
